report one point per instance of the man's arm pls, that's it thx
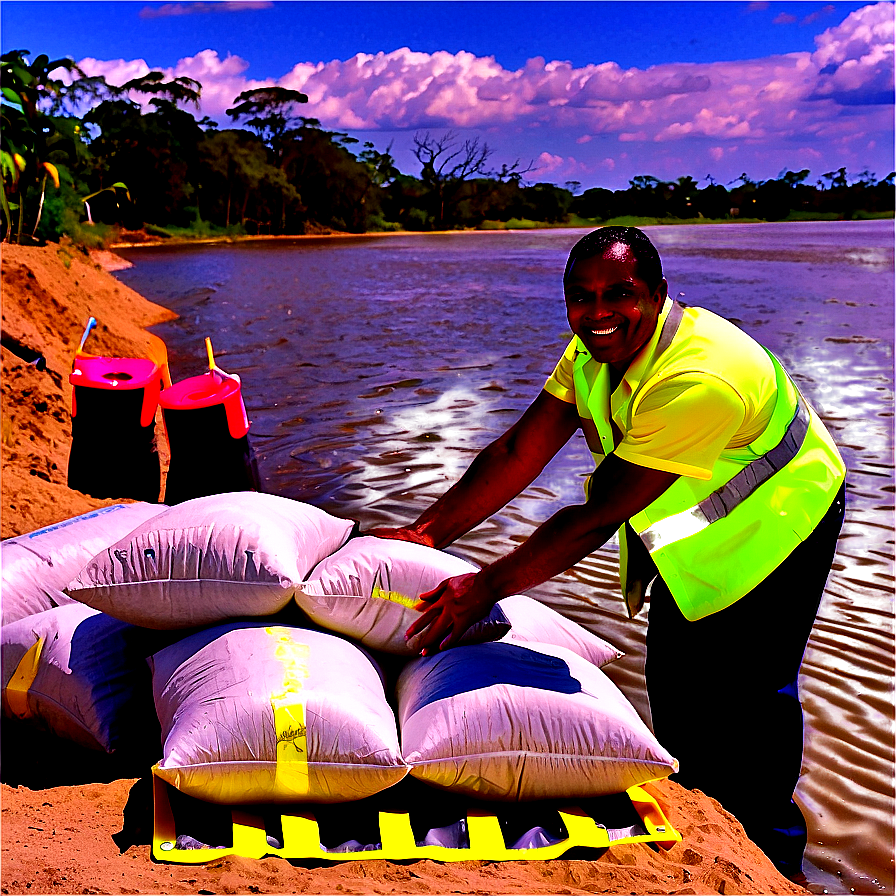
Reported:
(619, 490)
(497, 475)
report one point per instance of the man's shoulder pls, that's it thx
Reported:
(708, 344)
(705, 333)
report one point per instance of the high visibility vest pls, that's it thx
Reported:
(714, 540)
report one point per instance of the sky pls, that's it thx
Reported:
(592, 92)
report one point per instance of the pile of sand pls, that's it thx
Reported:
(48, 294)
(71, 825)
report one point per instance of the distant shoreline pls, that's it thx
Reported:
(148, 240)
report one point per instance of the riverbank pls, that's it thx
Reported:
(137, 238)
(76, 823)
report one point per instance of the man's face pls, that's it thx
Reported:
(610, 308)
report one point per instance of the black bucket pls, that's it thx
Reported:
(114, 452)
(208, 434)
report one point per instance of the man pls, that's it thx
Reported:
(727, 492)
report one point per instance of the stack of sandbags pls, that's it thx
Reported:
(210, 559)
(38, 565)
(245, 620)
(87, 601)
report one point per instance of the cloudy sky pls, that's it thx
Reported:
(595, 92)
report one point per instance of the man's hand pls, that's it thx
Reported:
(448, 611)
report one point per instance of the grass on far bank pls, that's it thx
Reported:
(104, 236)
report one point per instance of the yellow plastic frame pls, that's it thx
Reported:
(301, 836)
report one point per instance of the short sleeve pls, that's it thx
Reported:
(560, 382)
(683, 424)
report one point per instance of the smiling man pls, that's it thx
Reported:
(728, 496)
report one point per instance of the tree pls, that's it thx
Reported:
(596, 203)
(836, 179)
(445, 167)
(337, 189)
(177, 90)
(713, 201)
(684, 194)
(31, 148)
(270, 112)
(646, 195)
(232, 164)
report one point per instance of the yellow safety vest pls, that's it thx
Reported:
(714, 540)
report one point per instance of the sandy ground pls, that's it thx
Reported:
(74, 822)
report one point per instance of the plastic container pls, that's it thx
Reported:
(114, 452)
(205, 419)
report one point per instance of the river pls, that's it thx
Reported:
(374, 368)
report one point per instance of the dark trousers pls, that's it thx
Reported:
(723, 692)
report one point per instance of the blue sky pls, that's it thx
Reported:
(595, 92)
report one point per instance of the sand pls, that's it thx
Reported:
(79, 823)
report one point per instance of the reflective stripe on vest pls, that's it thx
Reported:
(724, 499)
(744, 522)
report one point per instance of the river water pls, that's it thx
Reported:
(374, 368)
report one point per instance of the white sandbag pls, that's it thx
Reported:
(505, 722)
(273, 714)
(368, 590)
(531, 620)
(80, 675)
(210, 559)
(38, 565)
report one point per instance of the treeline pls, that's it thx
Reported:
(79, 156)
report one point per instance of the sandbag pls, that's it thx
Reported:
(531, 620)
(38, 565)
(368, 589)
(210, 559)
(273, 714)
(504, 722)
(82, 676)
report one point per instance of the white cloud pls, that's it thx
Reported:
(406, 89)
(838, 93)
(167, 10)
(855, 59)
(546, 164)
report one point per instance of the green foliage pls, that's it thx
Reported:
(177, 90)
(270, 112)
(521, 224)
(378, 224)
(30, 146)
(89, 236)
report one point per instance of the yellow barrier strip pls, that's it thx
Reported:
(582, 830)
(397, 835)
(301, 835)
(22, 679)
(249, 836)
(289, 715)
(659, 830)
(485, 835)
(377, 592)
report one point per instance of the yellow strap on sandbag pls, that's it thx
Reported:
(380, 593)
(289, 714)
(22, 679)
